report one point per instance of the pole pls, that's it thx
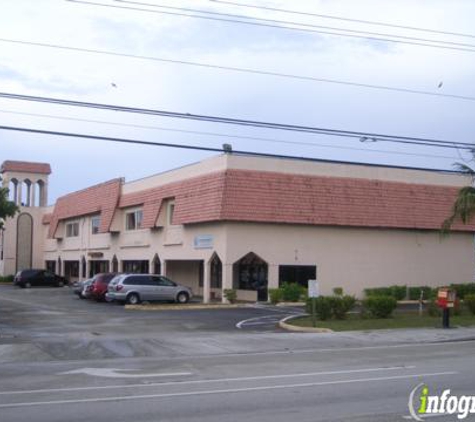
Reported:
(314, 311)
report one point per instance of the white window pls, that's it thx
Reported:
(95, 224)
(133, 220)
(72, 229)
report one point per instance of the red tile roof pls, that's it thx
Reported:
(268, 197)
(197, 199)
(254, 196)
(333, 201)
(102, 198)
(25, 167)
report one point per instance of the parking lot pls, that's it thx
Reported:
(59, 324)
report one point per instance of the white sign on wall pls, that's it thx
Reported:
(313, 288)
(203, 242)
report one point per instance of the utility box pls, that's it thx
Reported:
(446, 298)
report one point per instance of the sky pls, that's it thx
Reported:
(159, 79)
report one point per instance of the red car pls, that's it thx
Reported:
(98, 289)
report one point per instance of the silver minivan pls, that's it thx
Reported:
(134, 288)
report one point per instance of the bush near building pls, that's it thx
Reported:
(6, 279)
(469, 302)
(379, 306)
(401, 292)
(327, 307)
(292, 292)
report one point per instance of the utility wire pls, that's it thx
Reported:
(307, 30)
(363, 136)
(299, 24)
(341, 18)
(236, 69)
(226, 135)
(201, 148)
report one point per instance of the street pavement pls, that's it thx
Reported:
(63, 359)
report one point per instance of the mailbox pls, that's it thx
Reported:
(446, 298)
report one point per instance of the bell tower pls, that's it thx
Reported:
(27, 182)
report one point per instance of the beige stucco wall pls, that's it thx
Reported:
(10, 240)
(357, 258)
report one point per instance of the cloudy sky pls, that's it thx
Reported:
(159, 35)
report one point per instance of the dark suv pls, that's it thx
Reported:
(34, 277)
(98, 288)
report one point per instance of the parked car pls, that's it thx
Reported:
(134, 288)
(80, 287)
(98, 288)
(37, 277)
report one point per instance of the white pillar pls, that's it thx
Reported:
(227, 279)
(28, 195)
(273, 277)
(163, 267)
(33, 195)
(206, 282)
(18, 192)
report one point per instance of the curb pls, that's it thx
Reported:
(182, 307)
(289, 327)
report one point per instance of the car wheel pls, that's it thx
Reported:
(133, 299)
(182, 297)
(27, 285)
(60, 284)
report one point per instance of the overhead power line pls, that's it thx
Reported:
(237, 69)
(201, 148)
(227, 135)
(446, 45)
(363, 136)
(293, 23)
(344, 19)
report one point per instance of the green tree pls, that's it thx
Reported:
(7, 208)
(464, 206)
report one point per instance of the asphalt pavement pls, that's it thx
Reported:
(64, 359)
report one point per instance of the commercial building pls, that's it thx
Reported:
(248, 223)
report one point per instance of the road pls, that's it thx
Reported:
(186, 366)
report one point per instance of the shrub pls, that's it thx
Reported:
(230, 295)
(341, 305)
(380, 306)
(6, 279)
(338, 291)
(323, 307)
(292, 292)
(463, 289)
(331, 306)
(377, 291)
(415, 292)
(469, 302)
(397, 292)
(275, 296)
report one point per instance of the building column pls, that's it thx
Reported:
(28, 195)
(273, 276)
(227, 280)
(33, 195)
(163, 267)
(206, 281)
(18, 192)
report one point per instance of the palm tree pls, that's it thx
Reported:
(464, 205)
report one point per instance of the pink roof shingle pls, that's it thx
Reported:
(102, 198)
(272, 197)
